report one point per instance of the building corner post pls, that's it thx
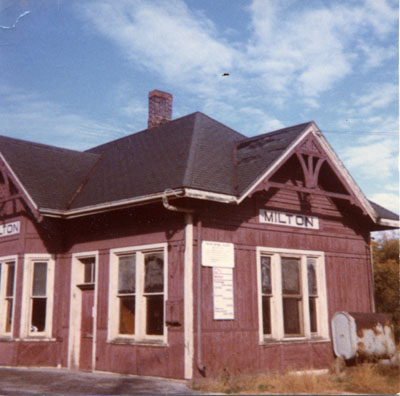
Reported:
(188, 298)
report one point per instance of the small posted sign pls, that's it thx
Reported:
(223, 293)
(218, 254)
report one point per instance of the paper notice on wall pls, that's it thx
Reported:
(217, 254)
(223, 293)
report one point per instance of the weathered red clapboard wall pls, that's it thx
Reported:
(97, 233)
(233, 345)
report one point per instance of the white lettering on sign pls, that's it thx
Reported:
(217, 254)
(288, 219)
(10, 228)
(223, 293)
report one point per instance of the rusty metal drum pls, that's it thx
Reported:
(365, 336)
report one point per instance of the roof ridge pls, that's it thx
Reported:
(138, 133)
(85, 181)
(188, 176)
(271, 133)
(43, 145)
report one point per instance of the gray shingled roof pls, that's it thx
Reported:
(51, 175)
(384, 213)
(194, 151)
(256, 154)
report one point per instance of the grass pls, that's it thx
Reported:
(365, 379)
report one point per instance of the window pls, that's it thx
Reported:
(7, 293)
(89, 270)
(292, 294)
(138, 293)
(38, 290)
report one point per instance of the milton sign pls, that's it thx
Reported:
(288, 219)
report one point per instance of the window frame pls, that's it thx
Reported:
(140, 335)
(276, 299)
(4, 263)
(27, 288)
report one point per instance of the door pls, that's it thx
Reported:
(86, 347)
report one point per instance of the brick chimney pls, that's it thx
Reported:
(160, 108)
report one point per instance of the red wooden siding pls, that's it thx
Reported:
(231, 345)
(234, 344)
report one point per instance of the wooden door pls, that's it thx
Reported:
(86, 348)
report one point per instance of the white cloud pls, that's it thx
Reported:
(29, 116)
(294, 50)
(387, 200)
(165, 37)
(310, 49)
(372, 159)
(375, 55)
(378, 96)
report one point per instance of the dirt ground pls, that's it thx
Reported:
(33, 381)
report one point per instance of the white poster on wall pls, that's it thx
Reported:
(223, 293)
(217, 254)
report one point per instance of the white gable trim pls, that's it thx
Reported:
(277, 163)
(345, 174)
(313, 129)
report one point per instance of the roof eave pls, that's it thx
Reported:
(388, 223)
(124, 203)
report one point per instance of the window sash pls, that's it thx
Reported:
(309, 309)
(7, 293)
(38, 295)
(147, 293)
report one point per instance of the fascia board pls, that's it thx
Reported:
(103, 207)
(209, 196)
(388, 222)
(277, 163)
(181, 192)
(20, 185)
(345, 174)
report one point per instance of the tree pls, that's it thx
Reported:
(386, 277)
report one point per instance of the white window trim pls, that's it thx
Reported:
(77, 276)
(3, 286)
(29, 259)
(113, 312)
(277, 328)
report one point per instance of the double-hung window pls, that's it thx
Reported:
(7, 294)
(38, 291)
(138, 285)
(292, 294)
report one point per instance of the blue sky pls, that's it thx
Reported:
(76, 74)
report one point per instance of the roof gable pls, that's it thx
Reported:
(314, 153)
(259, 156)
(49, 175)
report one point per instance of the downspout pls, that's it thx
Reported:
(372, 272)
(200, 365)
(189, 220)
